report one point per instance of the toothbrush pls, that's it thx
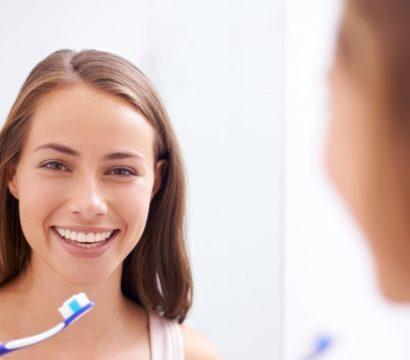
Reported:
(321, 345)
(72, 309)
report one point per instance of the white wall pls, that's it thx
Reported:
(218, 66)
(330, 286)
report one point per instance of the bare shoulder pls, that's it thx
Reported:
(197, 346)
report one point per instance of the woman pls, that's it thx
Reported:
(368, 148)
(88, 156)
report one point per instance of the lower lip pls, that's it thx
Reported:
(84, 252)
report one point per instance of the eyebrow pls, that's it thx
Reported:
(69, 151)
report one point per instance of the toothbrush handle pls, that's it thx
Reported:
(31, 340)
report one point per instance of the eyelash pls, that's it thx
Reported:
(57, 162)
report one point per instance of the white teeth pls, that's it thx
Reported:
(83, 237)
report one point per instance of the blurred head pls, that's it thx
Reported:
(88, 105)
(368, 147)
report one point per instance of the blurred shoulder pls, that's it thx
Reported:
(197, 346)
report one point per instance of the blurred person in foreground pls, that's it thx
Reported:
(368, 143)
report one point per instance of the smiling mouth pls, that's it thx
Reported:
(85, 244)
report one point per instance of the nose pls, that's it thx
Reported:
(88, 200)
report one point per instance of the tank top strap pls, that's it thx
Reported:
(166, 338)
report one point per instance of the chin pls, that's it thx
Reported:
(394, 288)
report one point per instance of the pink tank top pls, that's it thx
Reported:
(166, 338)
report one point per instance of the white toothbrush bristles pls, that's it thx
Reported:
(73, 304)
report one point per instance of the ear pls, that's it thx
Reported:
(12, 181)
(160, 170)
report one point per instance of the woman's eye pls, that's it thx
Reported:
(124, 172)
(53, 167)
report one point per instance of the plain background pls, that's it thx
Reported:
(218, 66)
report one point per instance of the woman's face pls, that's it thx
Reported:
(360, 158)
(82, 187)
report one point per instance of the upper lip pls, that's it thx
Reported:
(85, 228)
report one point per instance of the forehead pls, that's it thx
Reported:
(85, 118)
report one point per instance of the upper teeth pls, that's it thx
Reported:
(83, 237)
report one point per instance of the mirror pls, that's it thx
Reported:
(219, 68)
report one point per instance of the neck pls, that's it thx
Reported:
(36, 295)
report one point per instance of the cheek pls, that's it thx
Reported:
(342, 154)
(36, 202)
(347, 147)
(132, 206)
(340, 146)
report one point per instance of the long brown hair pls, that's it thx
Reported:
(389, 22)
(156, 274)
(373, 45)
